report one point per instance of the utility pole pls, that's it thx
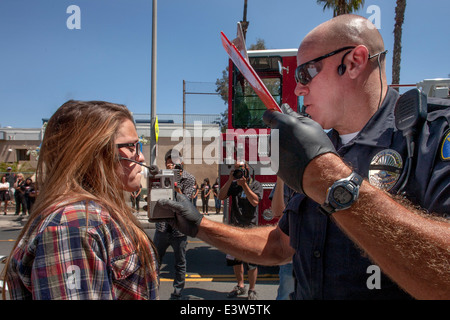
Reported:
(153, 88)
(184, 112)
(184, 104)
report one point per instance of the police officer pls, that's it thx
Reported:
(350, 223)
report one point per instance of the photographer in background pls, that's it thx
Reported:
(165, 235)
(245, 193)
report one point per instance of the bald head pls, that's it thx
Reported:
(354, 88)
(344, 30)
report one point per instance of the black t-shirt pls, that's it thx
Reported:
(205, 189)
(242, 212)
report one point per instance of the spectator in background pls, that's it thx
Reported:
(206, 191)
(194, 195)
(29, 193)
(11, 177)
(19, 195)
(215, 190)
(135, 198)
(4, 193)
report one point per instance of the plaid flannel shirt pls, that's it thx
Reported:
(79, 252)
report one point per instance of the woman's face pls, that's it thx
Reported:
(129, 172)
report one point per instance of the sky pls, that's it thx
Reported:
(44, 63)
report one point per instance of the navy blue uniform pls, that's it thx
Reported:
(327, 264)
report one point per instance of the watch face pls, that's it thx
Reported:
(341, 195)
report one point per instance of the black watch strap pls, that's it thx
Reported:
(327, 209)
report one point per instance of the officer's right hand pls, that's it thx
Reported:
(187, 218)
(301, 139)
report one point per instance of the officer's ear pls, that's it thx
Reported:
(357, 61)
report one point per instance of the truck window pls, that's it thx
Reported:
(247, 106)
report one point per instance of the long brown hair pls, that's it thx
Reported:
(78, 161)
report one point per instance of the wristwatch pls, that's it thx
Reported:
(342, 194)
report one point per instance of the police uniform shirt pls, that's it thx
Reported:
(327, 264)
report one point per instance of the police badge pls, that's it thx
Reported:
(385, 169)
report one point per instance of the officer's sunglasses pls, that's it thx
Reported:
(307, 71)
(134, 147)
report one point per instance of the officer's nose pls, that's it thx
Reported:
(301, 90)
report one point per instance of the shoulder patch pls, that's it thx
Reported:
(445, 147)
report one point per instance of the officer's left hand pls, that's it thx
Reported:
(301, 139)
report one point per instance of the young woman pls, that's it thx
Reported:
(82, 240)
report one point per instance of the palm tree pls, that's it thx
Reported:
(341, 6)
(398, 28)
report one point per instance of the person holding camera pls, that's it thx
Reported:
(166, 235)
(245, 193)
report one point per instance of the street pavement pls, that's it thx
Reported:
(207, 276)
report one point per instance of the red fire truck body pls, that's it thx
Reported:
(247, 135)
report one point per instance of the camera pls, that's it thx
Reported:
(161, 185)
(239, 173)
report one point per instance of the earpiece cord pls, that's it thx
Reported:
(381, 79)
(378, 55)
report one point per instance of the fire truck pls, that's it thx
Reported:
(247, 136)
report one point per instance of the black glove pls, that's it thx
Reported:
(187, 218)
(301, 139)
